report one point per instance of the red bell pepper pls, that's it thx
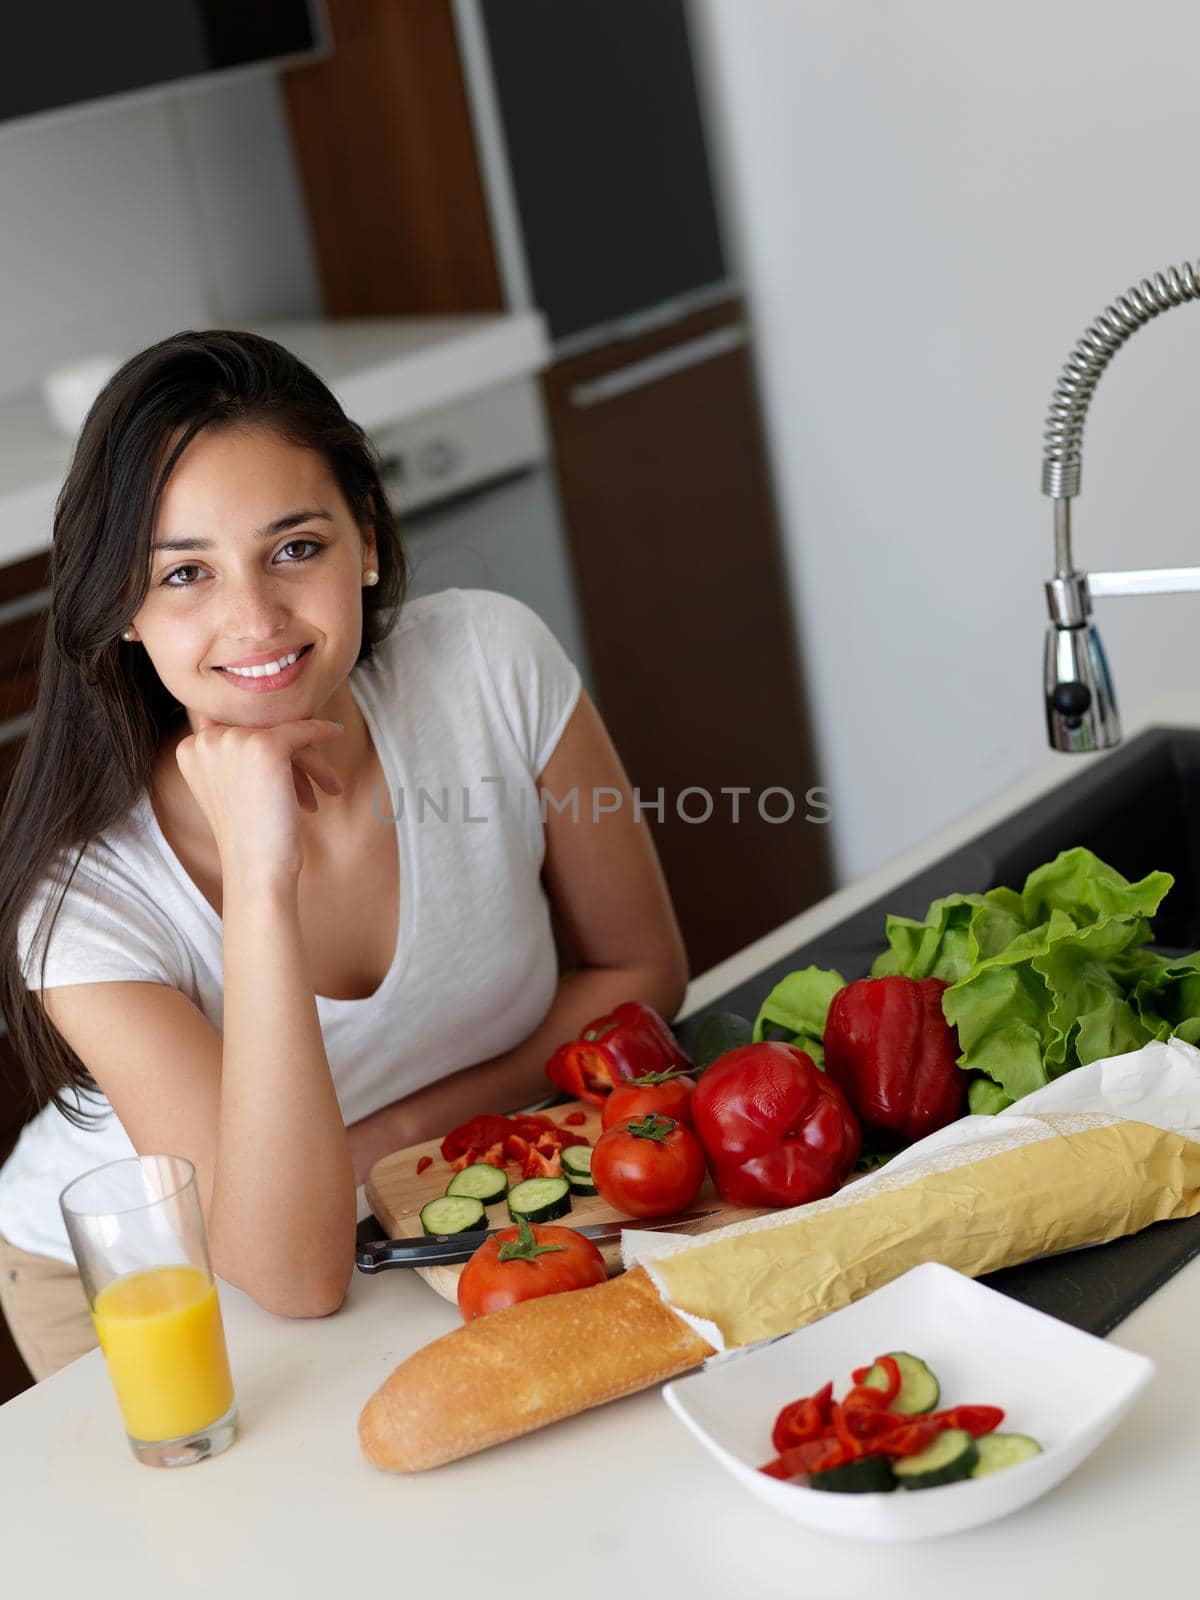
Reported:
(776, 1131)
(803, 1419)
(891, 1051)
(814, 1455)
(975, 1420)
(626, 1043)
(477, 1134)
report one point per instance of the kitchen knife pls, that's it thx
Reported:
(444, 1249)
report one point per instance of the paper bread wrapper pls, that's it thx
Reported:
(1102, 1152)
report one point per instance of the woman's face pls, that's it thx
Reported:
(265, 560)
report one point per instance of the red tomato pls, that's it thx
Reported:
(628, 1101)
(550, 1261)
(649, 1167)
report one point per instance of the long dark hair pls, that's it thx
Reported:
(101, 709)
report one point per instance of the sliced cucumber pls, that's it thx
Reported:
(919, 1389)
(480, 1181)
(869, 1475)
(453, 1214)
(539, 1199)
(1000, 1450)
(577, 1168)
(951, 1456)
(577, 1161)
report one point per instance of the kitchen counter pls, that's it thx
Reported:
(382, 369)
(620, 1494)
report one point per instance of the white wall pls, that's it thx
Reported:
(120, 224)
(932, 201)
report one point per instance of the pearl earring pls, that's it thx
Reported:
(128, 634)
(370, 577)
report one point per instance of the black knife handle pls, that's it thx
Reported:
(379, 1254)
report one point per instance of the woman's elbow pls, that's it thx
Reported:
(312, 1301)
(319, 1307)
(315, 1296)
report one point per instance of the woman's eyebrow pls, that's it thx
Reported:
(271, 531)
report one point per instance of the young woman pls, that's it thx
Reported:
(278, 861)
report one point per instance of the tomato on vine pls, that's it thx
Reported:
(648, 1167)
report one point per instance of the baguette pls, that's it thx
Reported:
(522, 1368)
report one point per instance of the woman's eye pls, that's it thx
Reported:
(313, 548)
(174, 573)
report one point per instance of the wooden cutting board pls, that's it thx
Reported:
(397, 1192)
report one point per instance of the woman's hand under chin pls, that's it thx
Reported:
(252, 784)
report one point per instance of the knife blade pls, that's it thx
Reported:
(444, 1249)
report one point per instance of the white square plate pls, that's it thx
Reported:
(1065, 1388)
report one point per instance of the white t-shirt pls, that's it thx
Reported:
(466, 700)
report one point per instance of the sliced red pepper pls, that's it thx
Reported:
(860, 1373)
(868, 1429)
(814, 1455)
(532, 1125)
(891, 1368)
(803, 1419)
(845, 1435)
(582, 1071)
(576, 1119)
(476, 1134)
(865, 1398)
(871, 1400)
(975, 1420)
(529, 1124)
(908, 1438)
(539, 1164)
(423, 1163)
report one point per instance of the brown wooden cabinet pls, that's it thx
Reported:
(673, 535)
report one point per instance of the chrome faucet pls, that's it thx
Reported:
(1081, 710)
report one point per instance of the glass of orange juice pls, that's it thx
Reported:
(137, 1230)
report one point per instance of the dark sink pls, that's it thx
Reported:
(1138, 809)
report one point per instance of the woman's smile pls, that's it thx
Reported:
(270, 676)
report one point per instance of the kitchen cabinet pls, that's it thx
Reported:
(684, 599)
(383, 141)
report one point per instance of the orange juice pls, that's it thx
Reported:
(162, 1337)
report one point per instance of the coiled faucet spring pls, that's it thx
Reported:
(1081, 709)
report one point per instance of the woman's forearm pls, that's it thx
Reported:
(282, 1219)
(514, 1079)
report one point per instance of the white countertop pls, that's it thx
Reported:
(382, 369)
(618, 1495)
